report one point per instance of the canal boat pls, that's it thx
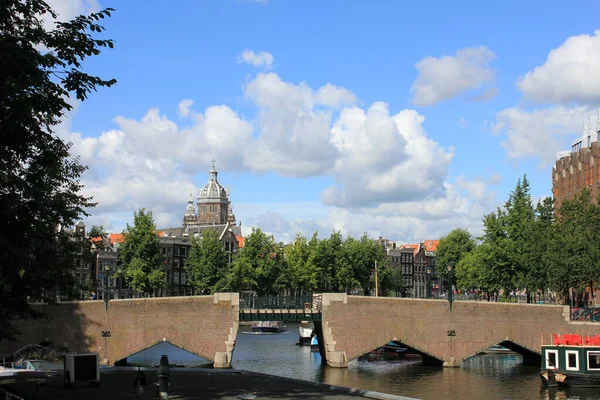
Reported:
(497, 349)
(267, 327)
(571, 361)
(305, 335)
(391, 348)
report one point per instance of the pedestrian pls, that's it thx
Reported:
(94, 296)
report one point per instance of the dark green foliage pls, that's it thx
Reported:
(139, 255)
(452, 248)
(207, 262)
(39, 183)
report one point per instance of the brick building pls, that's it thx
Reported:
(578, 168)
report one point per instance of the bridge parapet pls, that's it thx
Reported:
(354, 325)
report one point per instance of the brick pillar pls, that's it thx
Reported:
(222, 359)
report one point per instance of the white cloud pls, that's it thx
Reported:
(445, 77)
(257, 59)
(390, 177)
(570, 74)
(463, 123)
(540, 133)
(69, 9)
(183, 109)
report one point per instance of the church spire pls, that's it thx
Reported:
(212, 175)
(190, 210)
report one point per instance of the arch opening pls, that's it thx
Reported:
(397, 350)
(178, 357)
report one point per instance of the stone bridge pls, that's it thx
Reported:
(347, 327)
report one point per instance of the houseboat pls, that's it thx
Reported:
(571, 361)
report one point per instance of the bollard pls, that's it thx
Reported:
(163, 378)
(139, 382)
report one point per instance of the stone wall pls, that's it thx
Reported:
(203, 325)
(354, 325)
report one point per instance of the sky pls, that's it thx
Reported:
(401, 119)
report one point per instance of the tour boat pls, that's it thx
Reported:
(571, 361)
(305, 334)
(497, 349)
(268, 326)
(392, 348)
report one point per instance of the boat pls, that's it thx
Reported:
(305, 335)
(392, 348)
(571, 361)
(267, 326)
(497, 349)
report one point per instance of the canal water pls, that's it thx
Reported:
(491, 377)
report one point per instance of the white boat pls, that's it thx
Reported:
(305, 334)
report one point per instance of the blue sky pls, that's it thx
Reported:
(401, 119)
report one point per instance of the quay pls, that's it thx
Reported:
(184, 384)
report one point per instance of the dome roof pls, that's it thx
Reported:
(213, 189)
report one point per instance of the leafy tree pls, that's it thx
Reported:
(207, 262)
(139, 254)
(326, 253)
(391, 281)
(452, 248)
(300, 270)
(39, 182)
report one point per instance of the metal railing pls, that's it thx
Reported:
(309, 301)
(591, 314)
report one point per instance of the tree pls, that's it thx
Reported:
(452, 248)
(207, 262)
(39, 182)
(300, 270)
(139, 254)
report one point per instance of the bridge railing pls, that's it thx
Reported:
(304, 302)
(591, 314)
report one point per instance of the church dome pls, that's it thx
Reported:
(213, 189)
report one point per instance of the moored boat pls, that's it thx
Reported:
(391, 348)
(571, 361)
(267, 326)
(304, 335)
(497, 349)
(314, 343)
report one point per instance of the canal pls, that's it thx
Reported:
(491, 377)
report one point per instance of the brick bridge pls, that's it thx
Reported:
(347, 326)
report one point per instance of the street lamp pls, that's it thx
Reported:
(450, 292)
(428, 270)
(106, 274)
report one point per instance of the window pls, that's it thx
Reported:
(572, 360)
(163, 251)
(593, 360)
(551, 359)
(183, 251)
(169, 250)
(176, 250)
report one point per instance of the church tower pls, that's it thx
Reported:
(213, 202)
(190, 217)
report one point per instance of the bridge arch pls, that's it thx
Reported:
(354, 325)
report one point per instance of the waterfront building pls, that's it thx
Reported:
(578, 168)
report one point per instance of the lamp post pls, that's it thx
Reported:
(428, 270)
(376, 280)
(107, 275)
(450, 291)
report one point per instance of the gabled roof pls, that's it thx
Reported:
(116, 238)
(240, 240)
(431, 245)
(414, 247)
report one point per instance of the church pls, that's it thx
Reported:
(213, 205)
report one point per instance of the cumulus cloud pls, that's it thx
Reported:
(382, 164)
(571, 73)
(539, 133)
(445, 77)
(257, 59)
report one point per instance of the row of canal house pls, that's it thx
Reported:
(417, 262)
(100, 268)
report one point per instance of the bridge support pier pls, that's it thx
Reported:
(223, 359)
(452, 363)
